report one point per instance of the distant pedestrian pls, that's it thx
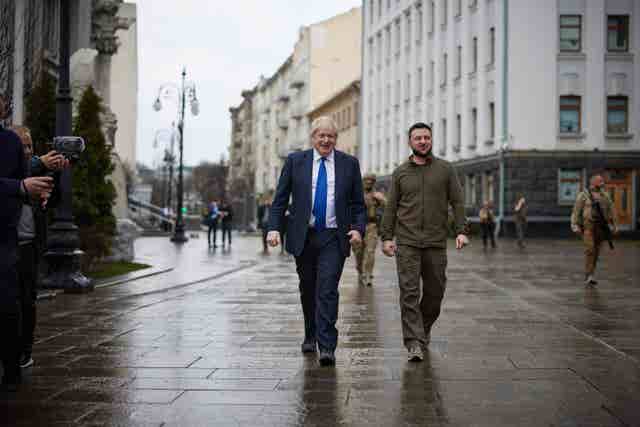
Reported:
(283, 232)
(416, 214)
(520, 218)
(226, 218)
(592, 217)
(327, 216)
(264, 209)
(366, 251)
(213, 223)
(487, 223)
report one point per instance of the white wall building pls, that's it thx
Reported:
(548, 82)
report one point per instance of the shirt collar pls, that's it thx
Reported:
(429, 160)
(317, 156)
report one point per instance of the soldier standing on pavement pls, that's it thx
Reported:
(520, 218)
(366, 250)
(587, 221)
(416, 214)
(487, 223)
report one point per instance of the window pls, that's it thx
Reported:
(419, 76)
(355, 113)
(488, 187)
(570, 33)
(570, 114)
(408, 30)
(408, 87)
(371, 11)
(432, 16)
(618, 33)
(458, 132)
(458, 7)
(387, 35)
(570, 183)
(459, 62)
(474, 127)
(492, 120)
(470, 190)
(398, 37)
(445, 10)
(617, 114)
(347, 122)
(475, 55)
(492, 45)
(398, 94)
(419, 23)
(444, 69)
(433, 75)
(444, 136)
(379, 8)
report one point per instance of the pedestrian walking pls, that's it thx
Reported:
(213, 223)
(520, 218)
(28, 252)
(327, 215)
(416, 215)
(593, 218)
(264, 210)
(226, 218)
(487, 223)
(15, 188)
(366, 251)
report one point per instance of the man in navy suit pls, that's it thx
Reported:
(326, 215)
(14, 188)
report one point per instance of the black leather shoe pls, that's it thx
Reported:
(327, 358)
(308, 346)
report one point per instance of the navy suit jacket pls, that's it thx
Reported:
(12, 172)
(295, 182)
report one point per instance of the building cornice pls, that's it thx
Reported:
(353, 86)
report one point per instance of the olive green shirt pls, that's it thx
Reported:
(584, 214)
(417, 209)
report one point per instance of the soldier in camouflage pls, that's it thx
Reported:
(365, 251)
(586, 222)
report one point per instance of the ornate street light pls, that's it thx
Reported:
(180, 94)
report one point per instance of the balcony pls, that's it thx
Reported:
(297, 110)
(282, 120)
(297, 81)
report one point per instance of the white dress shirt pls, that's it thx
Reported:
(330, 166)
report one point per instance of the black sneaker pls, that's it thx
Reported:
(308, 346)
(26, 361)
(327, 358)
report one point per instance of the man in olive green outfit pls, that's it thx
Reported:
(366, 250)
(422, 188)
(587, 221)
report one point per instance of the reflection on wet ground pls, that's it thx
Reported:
(216, 341)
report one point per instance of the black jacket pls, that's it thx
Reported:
(12, 172)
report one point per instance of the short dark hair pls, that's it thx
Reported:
(419, 125)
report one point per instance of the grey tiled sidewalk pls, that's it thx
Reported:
(216, 342)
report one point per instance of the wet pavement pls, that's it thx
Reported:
(216, 342)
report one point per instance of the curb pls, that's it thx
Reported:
(118, 280)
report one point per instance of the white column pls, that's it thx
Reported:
(365, 106)
(437, 92)
(451, 90)
(594, 89)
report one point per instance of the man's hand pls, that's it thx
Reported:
(461, 241)
(576, 229)
(379, 197)
(354, 237)
(389, 248)
(273, 238)
(38, 186)
(614, 230)
(54, 161)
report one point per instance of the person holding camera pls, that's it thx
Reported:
(28, 251)
(15, 189)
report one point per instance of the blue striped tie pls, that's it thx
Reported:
(320, 202)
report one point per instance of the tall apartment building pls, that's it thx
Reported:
(523, 96)
(326, 58)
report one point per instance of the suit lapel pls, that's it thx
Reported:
(308, 180)
(339, 170)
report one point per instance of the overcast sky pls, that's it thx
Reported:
(226, 46)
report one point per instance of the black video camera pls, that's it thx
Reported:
(69, 146)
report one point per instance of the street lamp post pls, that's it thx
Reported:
(184, 93)
(63, 253)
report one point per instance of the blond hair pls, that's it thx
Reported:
(323, 122)
(23, 132)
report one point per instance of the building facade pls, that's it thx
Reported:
(342, 107)
(325, 59)
(524, 97)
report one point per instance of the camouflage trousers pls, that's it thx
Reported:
(366, 254)
(592, 239)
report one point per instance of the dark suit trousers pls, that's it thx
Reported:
(9, 306)
(319, 269)
(28, 279)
